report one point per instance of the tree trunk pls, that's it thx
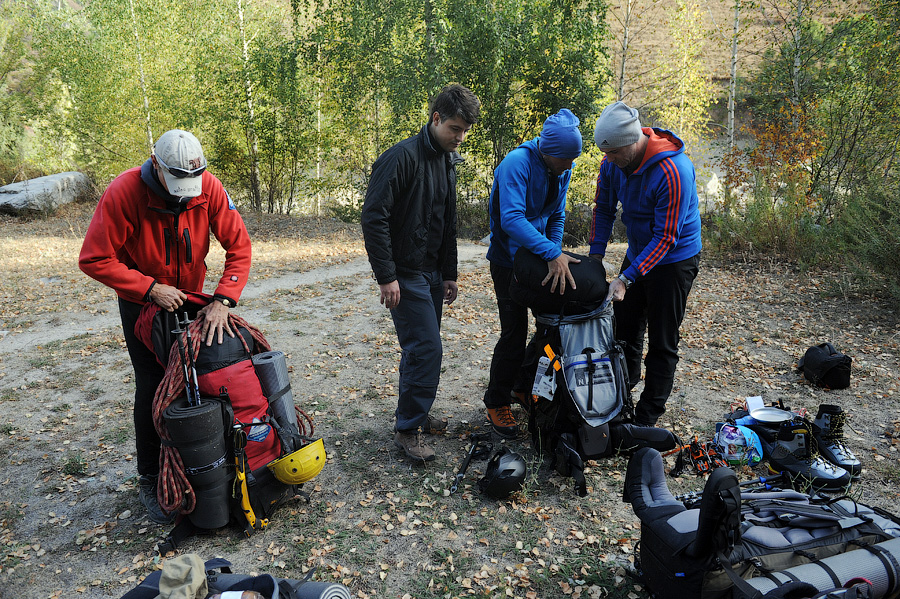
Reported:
(252, 142)
(140, 59)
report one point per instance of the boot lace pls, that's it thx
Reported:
(502, 416)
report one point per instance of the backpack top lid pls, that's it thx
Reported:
(824, 366)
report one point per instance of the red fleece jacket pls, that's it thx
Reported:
(134, 240)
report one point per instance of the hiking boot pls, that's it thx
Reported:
(828, 432)
(503, 422)
(413, 446)
(147, 494)
(788, 450)
(433, 425)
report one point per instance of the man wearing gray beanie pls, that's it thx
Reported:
(646, 171)
(528, 209)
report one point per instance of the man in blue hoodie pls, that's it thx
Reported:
(645, 170)
(528, 209)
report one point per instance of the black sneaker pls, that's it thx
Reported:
(147, 493)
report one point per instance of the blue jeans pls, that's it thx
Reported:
(417, 319)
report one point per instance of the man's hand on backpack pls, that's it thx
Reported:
(559, 273)
(215, 322)
(616, 291)
(167, 297)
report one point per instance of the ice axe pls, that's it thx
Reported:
(477, 451)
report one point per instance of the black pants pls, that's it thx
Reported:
(654, 305)
(507, 374)
(148, 374)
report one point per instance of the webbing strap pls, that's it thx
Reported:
(813, 558)
(891, 567)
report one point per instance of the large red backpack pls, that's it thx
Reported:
(226, 366)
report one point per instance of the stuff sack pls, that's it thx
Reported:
(582, 401)
(526, 289)
(735, 544)
(824, 366)
(186, 575)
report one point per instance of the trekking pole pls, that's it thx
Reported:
(177, 331)
(190, 347)
(476, 451)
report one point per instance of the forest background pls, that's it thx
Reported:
(789, 106)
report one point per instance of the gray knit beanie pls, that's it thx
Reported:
(618, 126)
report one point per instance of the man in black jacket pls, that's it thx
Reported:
(409, 226)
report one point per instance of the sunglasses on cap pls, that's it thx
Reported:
(180, 173)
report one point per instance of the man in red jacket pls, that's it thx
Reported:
(148, 240)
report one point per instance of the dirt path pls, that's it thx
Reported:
(72, 525)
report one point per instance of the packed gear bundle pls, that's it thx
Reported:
(750, 544)
(189, 576)
(234, 446)
(824, 366)
(530, 270)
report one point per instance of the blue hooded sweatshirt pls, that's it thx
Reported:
(660, 207)
(527, 206)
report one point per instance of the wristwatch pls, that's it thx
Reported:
(224, 300)
(625, 280)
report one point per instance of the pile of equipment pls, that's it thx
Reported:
(730, 541)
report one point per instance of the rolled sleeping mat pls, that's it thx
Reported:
(323, 590)
(879, 564)
(271, 368)
(198, 433)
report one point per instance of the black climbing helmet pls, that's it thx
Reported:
(505, 474)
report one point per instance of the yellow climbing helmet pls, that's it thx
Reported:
(300, 466)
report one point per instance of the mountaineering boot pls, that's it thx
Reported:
(147, 494)
(434, 425)
(503, 422)
(828, 432)
(788, 450)
(413, 446)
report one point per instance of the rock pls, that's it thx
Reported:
(44, 194)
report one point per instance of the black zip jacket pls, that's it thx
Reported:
(398, 208)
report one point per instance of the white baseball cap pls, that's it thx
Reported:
(180, 156)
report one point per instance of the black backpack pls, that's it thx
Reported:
(824, 366)
(589, 415)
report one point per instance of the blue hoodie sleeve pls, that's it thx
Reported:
(512, 182)
(673, 193)
(604, 214)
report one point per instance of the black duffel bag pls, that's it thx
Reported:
(526, 289)
(824, 366)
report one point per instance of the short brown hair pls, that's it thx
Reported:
(456, 100)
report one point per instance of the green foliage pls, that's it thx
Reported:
(867, 233)
(686, 91)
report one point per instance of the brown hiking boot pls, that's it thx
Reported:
(433, 425)
(503, 422)
(412, 445)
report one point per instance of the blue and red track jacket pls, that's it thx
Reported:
(660, 207)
